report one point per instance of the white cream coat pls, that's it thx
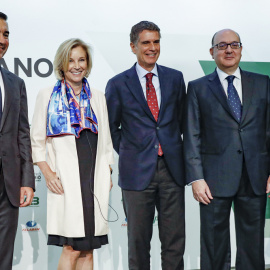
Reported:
(65, 212)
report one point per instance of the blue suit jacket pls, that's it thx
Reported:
(135, 133)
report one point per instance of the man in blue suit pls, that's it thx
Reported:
(145, 106)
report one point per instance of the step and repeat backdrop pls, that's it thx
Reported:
(36, 30)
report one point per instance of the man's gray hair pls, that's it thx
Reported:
(213, 38)
(139, 27)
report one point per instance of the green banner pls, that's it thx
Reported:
(268, 209)
(258, 67)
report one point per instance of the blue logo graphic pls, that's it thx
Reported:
(124, 223)
(31, 223)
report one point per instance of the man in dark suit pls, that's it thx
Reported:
(17, 179)
(145, 106)
(226, 148)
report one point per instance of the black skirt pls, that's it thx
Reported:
(86, 149)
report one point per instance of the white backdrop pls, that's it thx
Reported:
(36, 30)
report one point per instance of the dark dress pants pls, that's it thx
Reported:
(249, 212)
(164, 194)
(8, 227)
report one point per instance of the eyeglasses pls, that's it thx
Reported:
(224, 45)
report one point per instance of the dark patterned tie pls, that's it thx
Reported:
(233, 98)
(152, 101)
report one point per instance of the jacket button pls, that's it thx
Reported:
(239, 151)
(158, 128)
(156, 146)
(240, 130)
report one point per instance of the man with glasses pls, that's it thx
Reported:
(226, 148)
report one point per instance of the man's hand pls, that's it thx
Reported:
(201, 192)
(268, 186)
(29, 193)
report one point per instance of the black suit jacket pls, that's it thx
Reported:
(15, 146)
(215, 142)
(135, 133)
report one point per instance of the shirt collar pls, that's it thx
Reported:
(222, 75)
(142, 72)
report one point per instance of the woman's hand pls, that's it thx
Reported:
(52, 181)
(111, 184)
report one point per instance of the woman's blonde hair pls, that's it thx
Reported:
(61, 59)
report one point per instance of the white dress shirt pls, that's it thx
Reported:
(141, 74)
(2, 90)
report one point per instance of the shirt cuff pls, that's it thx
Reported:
(194, 181)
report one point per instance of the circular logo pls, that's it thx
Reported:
(31, 223)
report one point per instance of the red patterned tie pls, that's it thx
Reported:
(152, 101)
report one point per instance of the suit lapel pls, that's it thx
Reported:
(218, 91)
(134, 85)
(163, 85)
(8, 95)
(247, 90)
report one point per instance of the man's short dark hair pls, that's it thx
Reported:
(3, 16)
(139, 27)
(219, 31)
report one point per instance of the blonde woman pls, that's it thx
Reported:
(72, 146)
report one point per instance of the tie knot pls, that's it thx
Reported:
(149, 76)
(230, 78)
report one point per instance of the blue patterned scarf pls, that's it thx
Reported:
(66, 115)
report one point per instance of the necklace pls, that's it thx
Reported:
(78, 94)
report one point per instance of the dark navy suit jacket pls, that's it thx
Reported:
(135, 133)
(216, 144)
